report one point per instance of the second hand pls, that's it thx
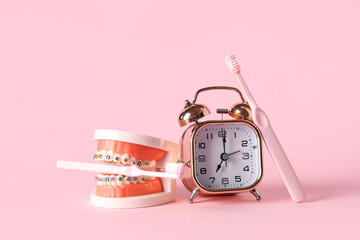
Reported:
(234, 152)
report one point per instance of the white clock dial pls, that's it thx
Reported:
(227, 156)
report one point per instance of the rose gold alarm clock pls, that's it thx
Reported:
(223, 157)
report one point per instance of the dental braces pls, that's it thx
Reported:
(109, 156)
(121, 179)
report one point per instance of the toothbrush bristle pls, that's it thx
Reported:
(174, 168)
(232, 63)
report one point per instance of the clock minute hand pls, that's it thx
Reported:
(224, 141)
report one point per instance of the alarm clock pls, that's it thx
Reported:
(222, 157)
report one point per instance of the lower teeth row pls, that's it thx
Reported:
(120, 180)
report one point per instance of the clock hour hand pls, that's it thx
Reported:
(224, 157)
(219, 166)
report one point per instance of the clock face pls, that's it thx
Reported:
(227, 156)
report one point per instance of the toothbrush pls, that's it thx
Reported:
(272, 142)
(172, 170)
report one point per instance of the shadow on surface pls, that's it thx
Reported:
(315, 192)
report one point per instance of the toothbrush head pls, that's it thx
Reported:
(175, 168)
(232, 63)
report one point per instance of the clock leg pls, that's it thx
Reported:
(255, 194)
(193, 195)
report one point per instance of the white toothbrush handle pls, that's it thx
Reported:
(92, 167)
(278, 154)
(109, 169)
(161, 174)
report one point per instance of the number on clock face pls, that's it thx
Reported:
(237, 166)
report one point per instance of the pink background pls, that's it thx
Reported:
(70, 67)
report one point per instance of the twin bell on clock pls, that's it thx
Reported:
(224, 157)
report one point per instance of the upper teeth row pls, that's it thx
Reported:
(109, 156)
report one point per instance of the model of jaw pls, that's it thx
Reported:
(127, 154)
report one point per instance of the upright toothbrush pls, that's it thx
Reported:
(272, 142)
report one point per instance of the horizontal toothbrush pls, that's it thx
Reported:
(272, 142)
(172, 170)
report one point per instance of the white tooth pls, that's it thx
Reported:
(125, 158)
(112, 180)
(135, 179)
(133, 161)
(97, 156)
(151, 178)
(99, 177)
(102, 181)
(108, 156)
(103, 153)
(142, 179)
(116, 158)
(139, 163)
(107, 179)
(152, 163)
(119, 180)
(127, 180)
